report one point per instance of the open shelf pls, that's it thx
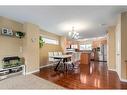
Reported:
(12, 71)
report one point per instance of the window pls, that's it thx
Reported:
(74, 46)
(51, 41)
(86, 47)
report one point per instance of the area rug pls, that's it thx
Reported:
(27, 82)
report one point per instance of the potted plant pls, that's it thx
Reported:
(19, 34)
(41, 41)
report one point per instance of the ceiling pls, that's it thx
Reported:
(89, 21)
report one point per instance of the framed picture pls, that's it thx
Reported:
(6, 31)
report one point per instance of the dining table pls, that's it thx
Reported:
(61, 59)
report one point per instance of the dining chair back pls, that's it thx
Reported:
(60, 53)
(50, 54)
(55, 53)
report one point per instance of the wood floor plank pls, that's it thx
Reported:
(87, 76)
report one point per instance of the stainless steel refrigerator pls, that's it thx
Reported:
(103, 53)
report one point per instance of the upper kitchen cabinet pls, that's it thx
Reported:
(99, 42)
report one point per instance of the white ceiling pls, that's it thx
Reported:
(87, 20)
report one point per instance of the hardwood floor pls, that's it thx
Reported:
(87, 76)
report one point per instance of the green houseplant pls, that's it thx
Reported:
(41, 41)
(19, 34)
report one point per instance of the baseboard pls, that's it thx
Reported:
(123, 80)
(27, 73)
(47, 65)
(112, 69)
(38, 69)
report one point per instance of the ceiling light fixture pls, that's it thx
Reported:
(73, 34)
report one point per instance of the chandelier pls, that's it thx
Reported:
(73, 34)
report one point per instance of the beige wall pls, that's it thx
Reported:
(10, 46)
(48, 47)
(31, 47)
(124, 45)
(111, 48)
(63, 43)
(8, 23)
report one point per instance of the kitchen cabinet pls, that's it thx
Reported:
(85, 58)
